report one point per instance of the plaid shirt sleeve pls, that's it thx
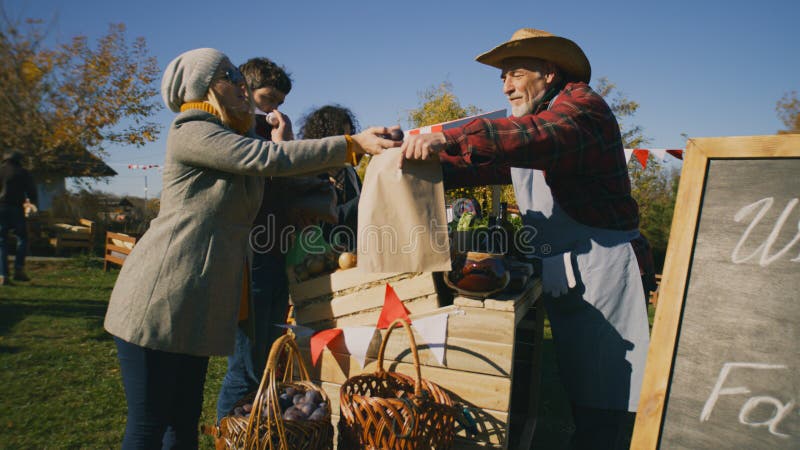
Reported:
(457, 175)
(576, 142)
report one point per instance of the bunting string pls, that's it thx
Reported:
(641, 154)
(358, 339)
(144, 166)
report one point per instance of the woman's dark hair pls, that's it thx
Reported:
(329, 120)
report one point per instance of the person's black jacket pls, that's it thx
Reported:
(348, 188)
(16, 184)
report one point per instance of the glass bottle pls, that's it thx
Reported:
(504, 230)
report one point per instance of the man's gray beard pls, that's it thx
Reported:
(522, 110)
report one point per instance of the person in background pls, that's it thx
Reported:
(269, 85)
(332, 120)
(16, 189)
(562, 150)
(176, 300)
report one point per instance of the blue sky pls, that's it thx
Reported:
(704, 68)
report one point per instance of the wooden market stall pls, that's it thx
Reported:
(493, 346)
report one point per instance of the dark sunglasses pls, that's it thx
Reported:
(233, 76)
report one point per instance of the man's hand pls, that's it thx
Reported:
(283, 131)
(422, 146)
(373, 140)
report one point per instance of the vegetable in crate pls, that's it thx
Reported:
(311, 256)
(465, 221)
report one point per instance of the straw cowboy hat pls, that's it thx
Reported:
(531, 43)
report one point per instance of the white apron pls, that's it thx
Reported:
(600, 327)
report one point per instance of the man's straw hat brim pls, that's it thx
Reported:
(531, 43)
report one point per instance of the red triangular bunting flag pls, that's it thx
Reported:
(676, 153)
(641, 155)
(393, 308)
(320, 340)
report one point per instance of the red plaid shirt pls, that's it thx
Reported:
(576, 142)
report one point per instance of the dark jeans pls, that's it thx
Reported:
(270, 304)
(12, 218)
(163, 390)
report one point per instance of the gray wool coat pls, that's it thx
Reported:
(180, 288)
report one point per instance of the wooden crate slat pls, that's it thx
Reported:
(415, 306)
(482, 391)
(334, 282)
(369, 299)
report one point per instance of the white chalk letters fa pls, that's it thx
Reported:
(766, 259)
(781, 409)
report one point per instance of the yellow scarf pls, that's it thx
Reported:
(207, 107)
(202, 106)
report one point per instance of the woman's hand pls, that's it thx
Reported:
(422, 146)
(283, 130)
(373, 140)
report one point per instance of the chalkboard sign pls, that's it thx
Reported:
(723, 369)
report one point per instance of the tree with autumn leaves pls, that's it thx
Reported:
(788, 109)
(59, 101)
(439, 104)
(654, 186)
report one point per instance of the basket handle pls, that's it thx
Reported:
(269, 387)
(413, 345)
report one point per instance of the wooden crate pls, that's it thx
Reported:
(352, 297)
(493, 347)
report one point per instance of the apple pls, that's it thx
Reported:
(347, 260)
(395, 134)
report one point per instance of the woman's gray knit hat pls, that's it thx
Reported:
(188, 76)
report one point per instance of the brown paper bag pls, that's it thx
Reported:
(401, 217)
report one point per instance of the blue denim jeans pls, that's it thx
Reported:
(164, 392)
(12, 218)
(270, 305)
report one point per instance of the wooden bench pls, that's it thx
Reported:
(64, 235)
(118, 247)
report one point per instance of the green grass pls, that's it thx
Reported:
(59, 378)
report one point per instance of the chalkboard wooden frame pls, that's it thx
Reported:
(660, 357)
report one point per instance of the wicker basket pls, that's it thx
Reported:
(391, 411)
(265, 428)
